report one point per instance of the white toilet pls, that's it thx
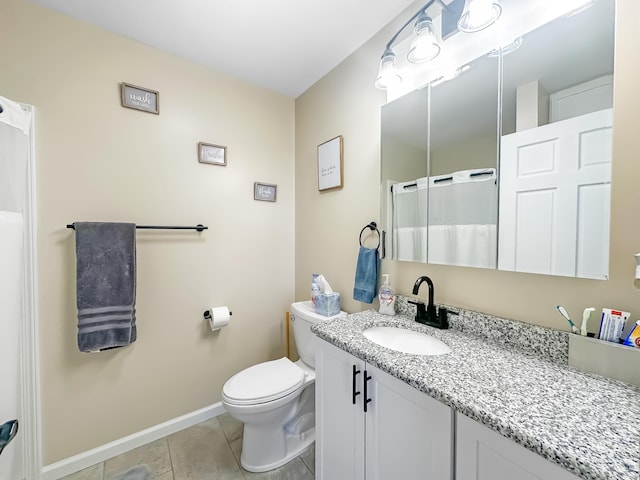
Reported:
(276, 400)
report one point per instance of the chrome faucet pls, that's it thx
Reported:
(428, 314)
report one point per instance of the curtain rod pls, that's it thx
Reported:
(198, 227)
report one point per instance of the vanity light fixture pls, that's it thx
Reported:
(457, 15)
(478, 15)
(388, 74)
(424, 46)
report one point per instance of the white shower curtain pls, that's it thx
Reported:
(463, 218)
(14, 150)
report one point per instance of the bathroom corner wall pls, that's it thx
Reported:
(98, 161)
(327, 224)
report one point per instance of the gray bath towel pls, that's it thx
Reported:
(105, 284)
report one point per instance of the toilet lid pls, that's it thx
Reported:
(263, 382)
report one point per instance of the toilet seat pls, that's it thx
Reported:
(264, 382)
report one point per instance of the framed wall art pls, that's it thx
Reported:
(330, 164)
(213, 154)
(140, 98)
(265, 192)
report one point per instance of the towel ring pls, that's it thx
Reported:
(372, 226)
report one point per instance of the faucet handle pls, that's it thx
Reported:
(443, 320)
(421, 310)
(421, 307)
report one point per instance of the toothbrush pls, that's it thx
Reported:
(585, 318)
(564, 313)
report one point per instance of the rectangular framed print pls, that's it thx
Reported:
(140, 98)
(213, 154)
(330, 164)
(265, 192)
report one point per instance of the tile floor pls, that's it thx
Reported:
(207, 451)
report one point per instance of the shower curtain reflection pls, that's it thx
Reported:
(448, 219)
(463, 218)
(409, 220)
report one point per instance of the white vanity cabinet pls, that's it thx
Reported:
(370, 425)
(482, 453)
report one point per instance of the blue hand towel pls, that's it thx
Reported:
(367, 268)
(105, 285)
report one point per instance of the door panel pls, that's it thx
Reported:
(482, 454)
(408, 434)
(339, 423)
(554, 198)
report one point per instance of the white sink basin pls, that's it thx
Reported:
(406, 341)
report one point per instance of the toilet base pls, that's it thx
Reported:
(295, 446)
(265, 448)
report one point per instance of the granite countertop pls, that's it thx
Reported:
(514, 378)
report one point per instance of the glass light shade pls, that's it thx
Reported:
(478, 15)
(388, 75)
(424, 46)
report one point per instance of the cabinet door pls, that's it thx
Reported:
(482, 454)
(409, 435)
(339, 423)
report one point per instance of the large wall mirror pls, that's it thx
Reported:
(507, 165)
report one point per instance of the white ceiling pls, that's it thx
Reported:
(282, 45)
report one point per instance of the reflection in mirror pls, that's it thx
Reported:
(440, 203)
(463, 156)
(555, 160)
(404, 172)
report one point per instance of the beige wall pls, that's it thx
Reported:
(98, 161)
(327, 224)
(477, 152)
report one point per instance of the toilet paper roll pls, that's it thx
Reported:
(218, 317)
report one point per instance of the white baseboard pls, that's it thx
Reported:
(100, 454)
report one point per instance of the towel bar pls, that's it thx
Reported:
(198, 227)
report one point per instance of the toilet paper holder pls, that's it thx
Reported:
(217, 317)
(207, 314)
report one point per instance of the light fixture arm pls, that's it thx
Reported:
(467, 16)
(408, 22)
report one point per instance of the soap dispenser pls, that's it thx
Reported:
(386, 297)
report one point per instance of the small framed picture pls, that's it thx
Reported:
(265, 192)
(213, 154)
(140, 98)
(330, 164)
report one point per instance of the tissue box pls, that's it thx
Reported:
(328, 304)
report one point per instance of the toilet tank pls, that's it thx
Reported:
(302, 317)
